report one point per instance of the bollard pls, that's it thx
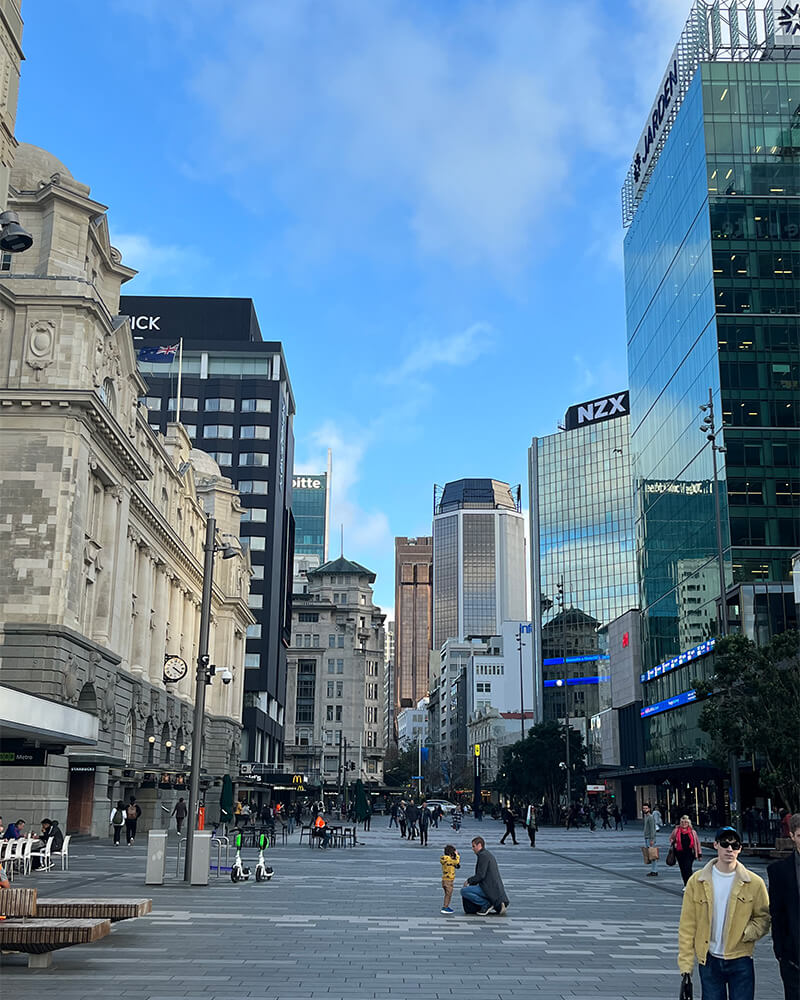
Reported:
(156, 857)
(201, 857)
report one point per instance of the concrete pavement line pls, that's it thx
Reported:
(610, 871)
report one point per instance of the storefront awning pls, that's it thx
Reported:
(26, 717)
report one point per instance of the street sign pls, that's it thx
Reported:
(19, 758)
(595, 788)
(417, 777)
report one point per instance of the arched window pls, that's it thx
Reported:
(166, 744)
(87, 700)
(108, 394)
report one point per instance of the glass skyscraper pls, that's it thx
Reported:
(478, 559)
(310, 509)
(582, 533)
(712, 273)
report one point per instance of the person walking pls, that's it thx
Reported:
(649, 832)
(617, 818)
(179, 812)
(507, 817)
(424, 822)
(132, 814)
(784, 908)
(117, 821)
(450, 860)
(686, 844)
(412, 815)
(393, 815)
(725, 911)
(604, 816)
(401, 817)
(367, 816)
(484, 891)
(531, 824)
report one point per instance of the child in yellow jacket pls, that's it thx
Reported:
(449, 862)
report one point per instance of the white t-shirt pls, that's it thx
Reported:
(721, 885)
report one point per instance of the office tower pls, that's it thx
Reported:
(236, 402)
(413, 612)
(335, 709)
(582, 535)
(311, 503)
(712, 277)
(478, 559)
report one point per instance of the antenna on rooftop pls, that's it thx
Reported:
(341, 548)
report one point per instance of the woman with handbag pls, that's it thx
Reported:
(685, 844)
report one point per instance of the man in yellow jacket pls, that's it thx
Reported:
(725, 911)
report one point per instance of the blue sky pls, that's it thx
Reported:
(422, 198)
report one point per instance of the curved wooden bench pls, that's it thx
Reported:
(99, 909)
(39, 938)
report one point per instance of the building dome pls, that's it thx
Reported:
(34, 166)
(204, 465)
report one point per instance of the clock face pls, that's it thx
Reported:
(174, 668)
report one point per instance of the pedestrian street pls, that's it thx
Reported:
(364, 922)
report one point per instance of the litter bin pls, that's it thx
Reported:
(201, 857)
(156, 857)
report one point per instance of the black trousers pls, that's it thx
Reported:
(130, 829)
(685, 861)
(402, 828)
(117, 833)
(532, 835)
(423, 836)
(509, 830)
(790, 974)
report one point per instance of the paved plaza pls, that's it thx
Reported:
(364, 922)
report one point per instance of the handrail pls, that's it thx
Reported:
(219, 843)
(181, 840)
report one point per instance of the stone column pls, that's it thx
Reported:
(158, 641)
(144, 602)
(111, 556)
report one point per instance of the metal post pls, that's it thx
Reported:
(566, 699)
(419, 768)
(711, 434)
(521, 688)
(201, 677)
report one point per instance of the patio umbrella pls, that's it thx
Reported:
(226, 800)
(361, 807)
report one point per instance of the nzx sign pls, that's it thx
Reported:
(597, 410)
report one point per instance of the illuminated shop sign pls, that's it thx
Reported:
(678, 661)
(683, 489)
(595, 411)
(658, 114)
(664, 706)
(572, 681)
(554, 661)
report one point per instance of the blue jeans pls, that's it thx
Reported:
(474, 894)
(728, 978)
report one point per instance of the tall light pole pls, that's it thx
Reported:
(561, 598)
(710, 429)
(521, 686)
(202, 677)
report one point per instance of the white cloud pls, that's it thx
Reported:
(154, 262)
(457, 349)
(460, 119)
(365, 531)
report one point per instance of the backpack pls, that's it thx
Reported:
(118, 819)
(132, 812)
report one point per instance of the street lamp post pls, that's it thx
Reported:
(561, 598)
(710, 429)
(521, 686)
(202, 677)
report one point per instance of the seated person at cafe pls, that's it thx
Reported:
(321, 830)
(15, 830)
(52, 831)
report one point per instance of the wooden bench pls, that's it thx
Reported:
(38, 929)
(40, 938)
(100, 909)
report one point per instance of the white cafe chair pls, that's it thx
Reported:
(63, 853)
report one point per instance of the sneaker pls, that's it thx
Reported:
(483, 911)
(652, 874)
(446, 909)
(500, 910)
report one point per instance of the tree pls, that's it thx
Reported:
(533, 769)
(399, 766)
(753, 708)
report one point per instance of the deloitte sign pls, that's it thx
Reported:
(308, 482)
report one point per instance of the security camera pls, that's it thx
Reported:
(226, 676)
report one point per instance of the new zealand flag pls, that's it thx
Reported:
(163, 355)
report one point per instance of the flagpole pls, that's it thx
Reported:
(180, 372)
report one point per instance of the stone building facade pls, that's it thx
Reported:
(102, 522)
(335, 724)
(10, 59)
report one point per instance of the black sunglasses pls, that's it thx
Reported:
(735, 844)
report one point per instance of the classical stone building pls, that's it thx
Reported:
(335, 705)
(102, 526)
